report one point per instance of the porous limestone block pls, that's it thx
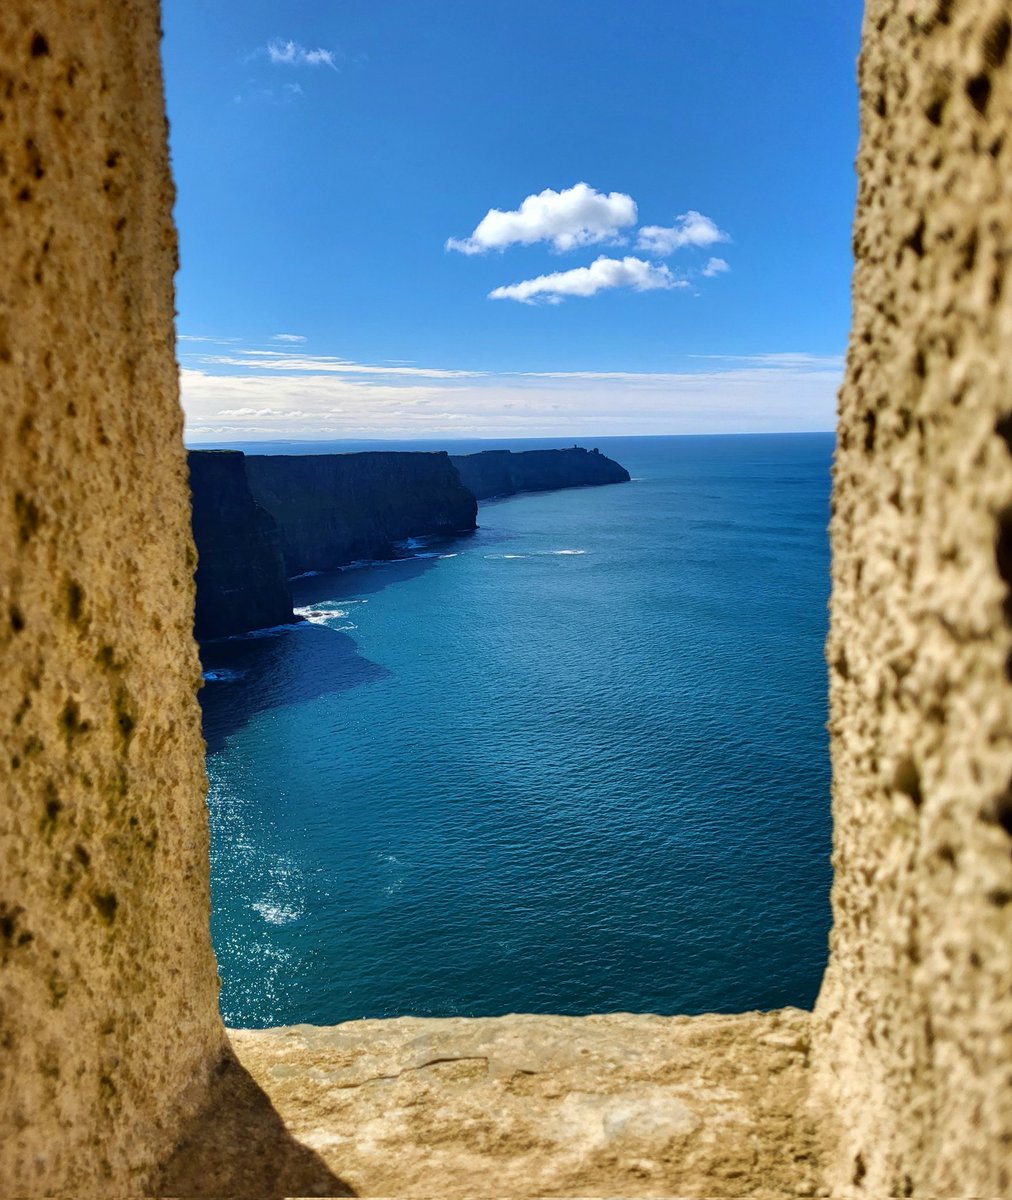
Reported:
(108, 986)
(913, 1032)
(521, 1106)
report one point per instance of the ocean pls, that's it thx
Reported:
(575, 762)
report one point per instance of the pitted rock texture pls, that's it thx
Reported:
(527, 1106)
(504, 473)
(240, 577)
(108, 988)
(332, 509)
(913, 1034)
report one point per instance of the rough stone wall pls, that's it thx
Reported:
(108, 987)
(913, 1039)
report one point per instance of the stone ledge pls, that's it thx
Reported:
(613, 1105)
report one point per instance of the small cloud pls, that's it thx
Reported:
(690, 229)
(788, 361)
(319, 58)
(277, 360)
(576, 216)
(287, 337)
(715, 266)
(601, 275)
(291, 54)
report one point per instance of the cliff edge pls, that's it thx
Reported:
(240, 574)
(504, 473)
(332, 509)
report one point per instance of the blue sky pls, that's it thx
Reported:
(335, 162)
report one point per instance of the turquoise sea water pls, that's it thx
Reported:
(573, 763)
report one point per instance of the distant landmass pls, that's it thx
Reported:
(260, 519)
(494, 473)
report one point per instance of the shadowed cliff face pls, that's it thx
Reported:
(503, 473)
(332, 509)
(240, 573)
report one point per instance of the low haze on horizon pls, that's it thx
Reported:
(470, 221)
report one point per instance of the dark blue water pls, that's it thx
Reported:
(573, 763)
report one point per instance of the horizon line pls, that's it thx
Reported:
(533, 437)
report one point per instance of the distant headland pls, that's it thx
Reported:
(494, 473)
(261, 519)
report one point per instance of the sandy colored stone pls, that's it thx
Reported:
(614, 1105)
(116, 1078)
(108, 1016)
(913, 1034)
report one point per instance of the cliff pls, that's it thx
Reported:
(240, 575)
(332, 509)
(503, 473)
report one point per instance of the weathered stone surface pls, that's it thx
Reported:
(240, 577)
(504, 473)
(913, 1041)
(108, 1015)
(111, 1052)
(614, 1105)
(332, 509)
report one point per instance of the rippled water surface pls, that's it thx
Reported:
(575, 762)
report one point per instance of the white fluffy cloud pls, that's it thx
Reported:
(603, 273)
(690, 229)
(291, 54)
(715, 266)
(287, 337)
(576, 216)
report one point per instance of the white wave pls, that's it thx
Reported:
(395, 881)
(536, 554)
(277, 914)
(222, 675)
(326, 617)
(305, 575)
(454, 555)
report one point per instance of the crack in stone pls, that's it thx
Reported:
(433, 1062)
